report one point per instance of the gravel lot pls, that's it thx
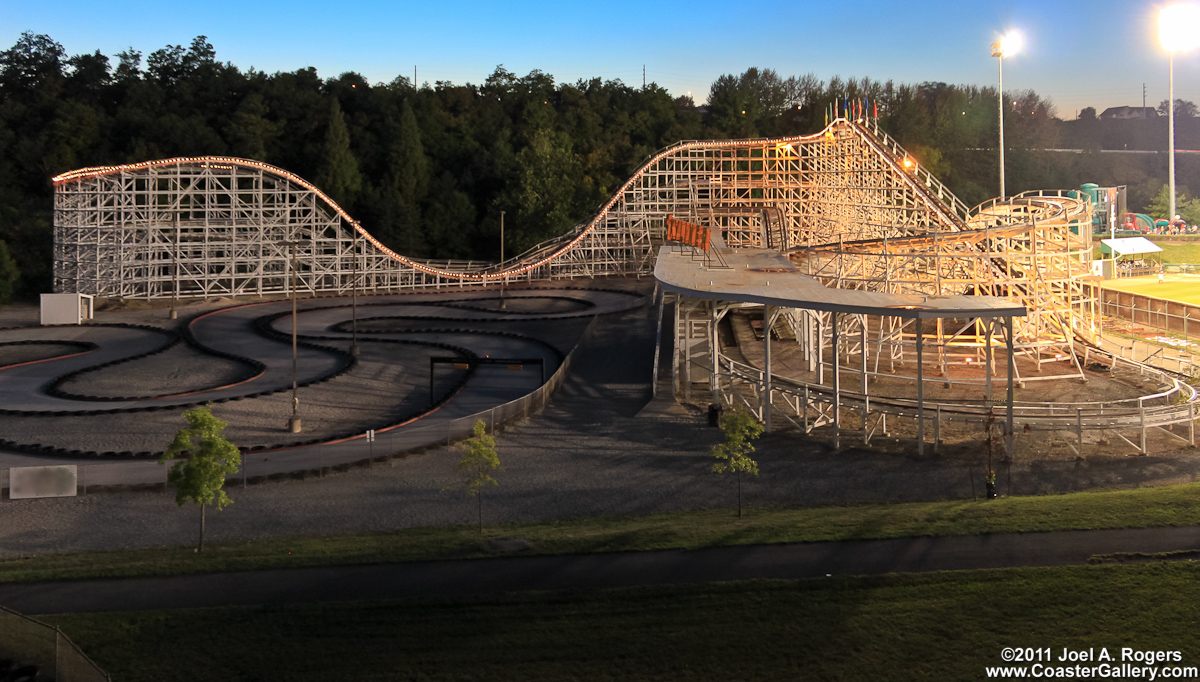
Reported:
(588, 453)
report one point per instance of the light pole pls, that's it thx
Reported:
(502, 257)
(1177, 27)
(294, 422)
(354, 300)
(1007, 46)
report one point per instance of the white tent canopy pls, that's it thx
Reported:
(1128, 246)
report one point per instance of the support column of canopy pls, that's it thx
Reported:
(716, 312)
(661, 296)
(677, 345)
(687, 355)
(862, 383)
(987, 360)
(770, 315)
(920, 391)
(837, 384)
(1012, 363)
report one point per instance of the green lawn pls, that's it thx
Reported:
(1146, 507)
(1171, 253)
(937, 626)
(1180, 253)
(1175, 288)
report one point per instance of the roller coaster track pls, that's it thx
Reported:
(849, 197)
(120, 206)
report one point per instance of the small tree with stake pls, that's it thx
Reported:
(739, 427)
(207, 458)
(478, 462)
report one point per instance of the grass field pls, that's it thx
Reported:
(1138, 508)
(1180, 253)
(1183, 288)
(937, 626)
(1171, 253)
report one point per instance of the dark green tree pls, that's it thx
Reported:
(339, 176)
(34, 64)
(548, 179)
(1186, 206)
(250, 129)
(405, 184)
(206, 459)
(1183, 108)
(8, 274)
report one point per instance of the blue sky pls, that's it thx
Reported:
(1077, 54)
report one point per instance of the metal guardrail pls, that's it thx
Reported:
(32, 642)
(1176, 406)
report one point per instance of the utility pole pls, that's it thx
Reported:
(294, 422)
(174, 314)
(1143, 100)
(354, 299)
(502, 259)
(643, 76)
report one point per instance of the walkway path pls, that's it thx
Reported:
(465, 578)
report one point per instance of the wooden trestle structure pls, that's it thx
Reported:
(848, 206)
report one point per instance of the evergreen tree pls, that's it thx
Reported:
(339, 176)
(8, 274)
(250, 129)
(1186, 207)
(406, 158)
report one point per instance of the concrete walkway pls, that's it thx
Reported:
(440, 580)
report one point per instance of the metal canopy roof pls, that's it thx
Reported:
(1128, 246)
(765, 276)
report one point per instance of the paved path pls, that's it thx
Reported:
(465, 578)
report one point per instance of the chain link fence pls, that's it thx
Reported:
(29, 642)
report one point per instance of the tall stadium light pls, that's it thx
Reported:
(1178, 27)
(1007, 46)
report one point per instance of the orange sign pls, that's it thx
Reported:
(692, 235)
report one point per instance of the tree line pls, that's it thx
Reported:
(429, 167)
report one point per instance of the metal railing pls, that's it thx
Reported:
(32, 642)
(808, 405)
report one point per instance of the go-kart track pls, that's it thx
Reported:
(115, 391)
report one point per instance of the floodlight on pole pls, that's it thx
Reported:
(1008, 45)
(1178, 26)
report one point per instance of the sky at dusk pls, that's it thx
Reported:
(1076, 54)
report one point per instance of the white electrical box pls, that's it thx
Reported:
(66, 308)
